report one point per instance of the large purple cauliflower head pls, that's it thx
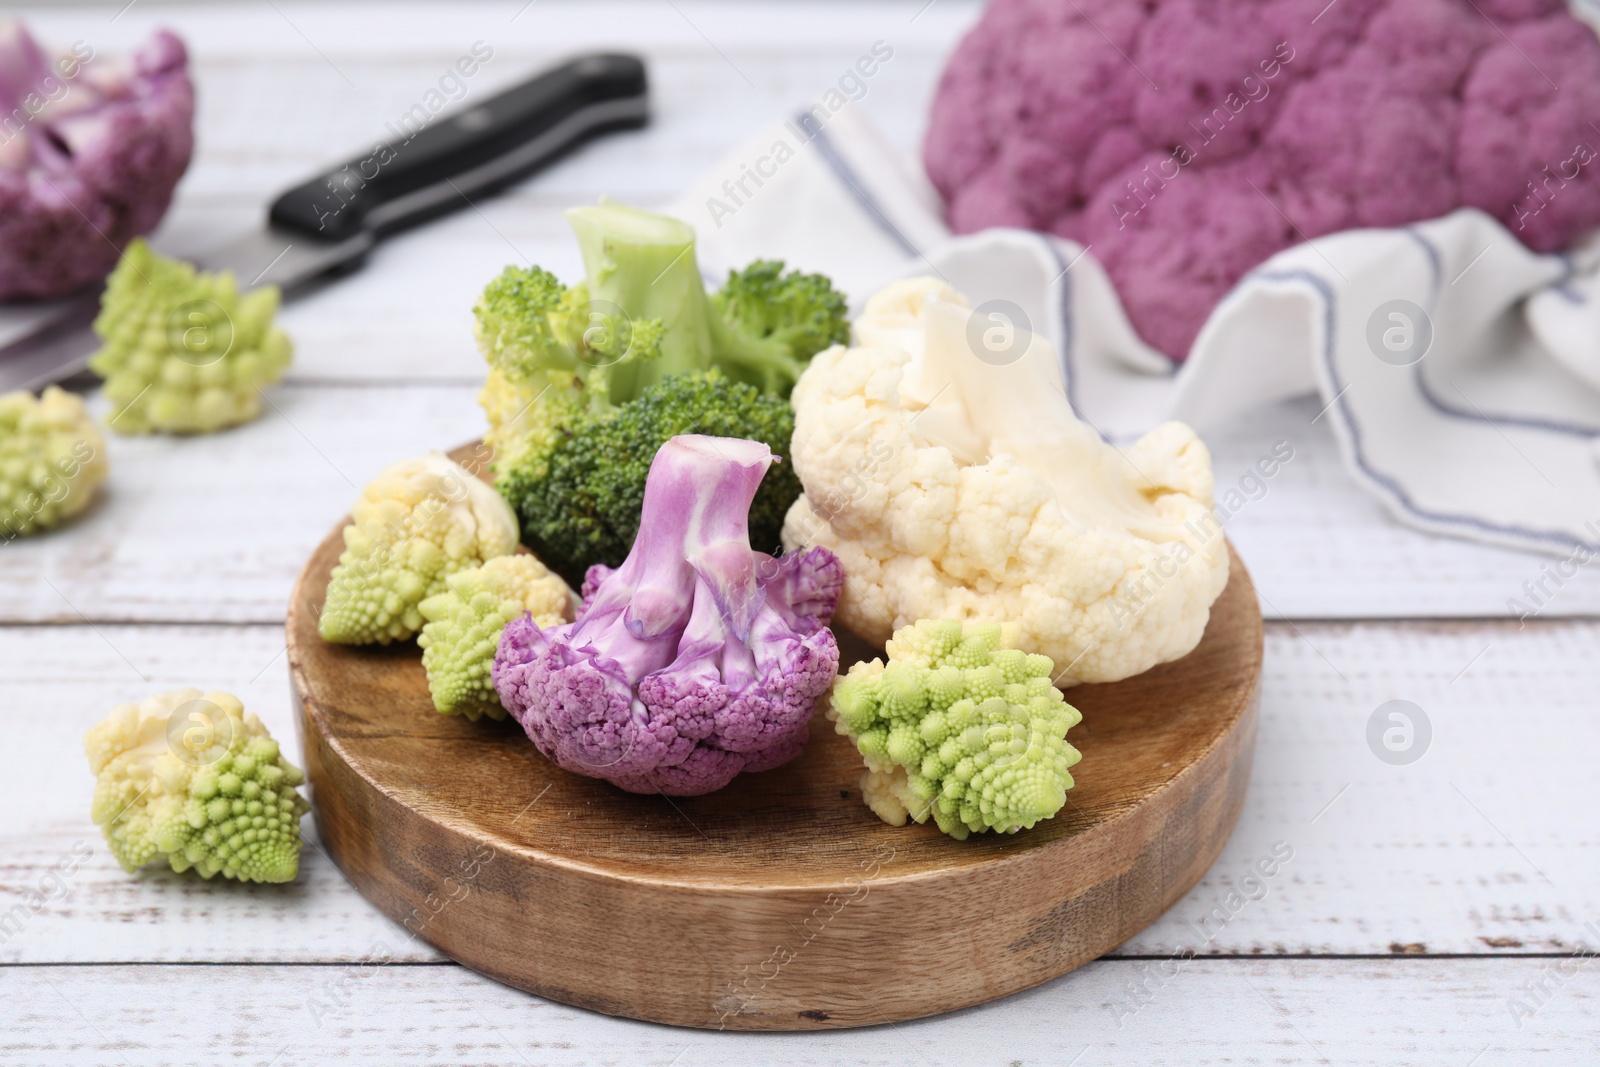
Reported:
(1187, 141)
(696, 659)
(91, 148)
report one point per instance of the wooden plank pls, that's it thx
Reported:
(1355, 1012)
(215, 529)
(1447, 855)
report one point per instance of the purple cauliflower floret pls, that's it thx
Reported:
(1187, 141)
(698, 658)
(91, 148)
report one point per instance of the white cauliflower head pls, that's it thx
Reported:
(943, 464)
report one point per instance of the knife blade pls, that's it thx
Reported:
(329, 223)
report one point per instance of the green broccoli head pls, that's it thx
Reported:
(580, 503)
(775, 323)
(642, 315)
(530, 327)
(960, 726)
(193, 780)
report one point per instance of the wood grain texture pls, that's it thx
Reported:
(741, 909)
(1215, 1013)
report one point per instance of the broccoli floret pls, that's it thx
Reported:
(697, 659)
(582, 506)
(417, 523)
(961, 726)
(565, 361)
(464, 622)
(773, 323)
(191, 779)
(182, 351)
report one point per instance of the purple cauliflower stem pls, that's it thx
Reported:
(1187, 141)
(91, 148)
(698, 658)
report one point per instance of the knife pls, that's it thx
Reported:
(329, 223)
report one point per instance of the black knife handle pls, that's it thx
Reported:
(434, 163)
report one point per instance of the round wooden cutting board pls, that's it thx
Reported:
(781, 902)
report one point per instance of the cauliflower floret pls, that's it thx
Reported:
(464, 625)
(963, 488)
(91, 147)
(416, 524)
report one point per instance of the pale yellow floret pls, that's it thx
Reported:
(416, 524)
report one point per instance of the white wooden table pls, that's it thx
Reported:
(1422, 905)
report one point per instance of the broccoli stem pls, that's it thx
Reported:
(764, 362)
(643, 265)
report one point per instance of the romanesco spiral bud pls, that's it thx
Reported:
(416, 524)
(191, 779)
(183, 351)
(51, 460)
(961, 726)
(462, 633)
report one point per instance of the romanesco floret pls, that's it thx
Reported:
(464, 624)
(183, 351)
(416, 524)
(191, 779)
(51, 460)
(959, 725)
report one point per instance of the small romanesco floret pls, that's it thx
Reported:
(416, 524)
(191, 779)
(182, 351)
(959, 725)
(464, 624)
(51, 460)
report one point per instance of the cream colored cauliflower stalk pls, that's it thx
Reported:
(944, 465)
